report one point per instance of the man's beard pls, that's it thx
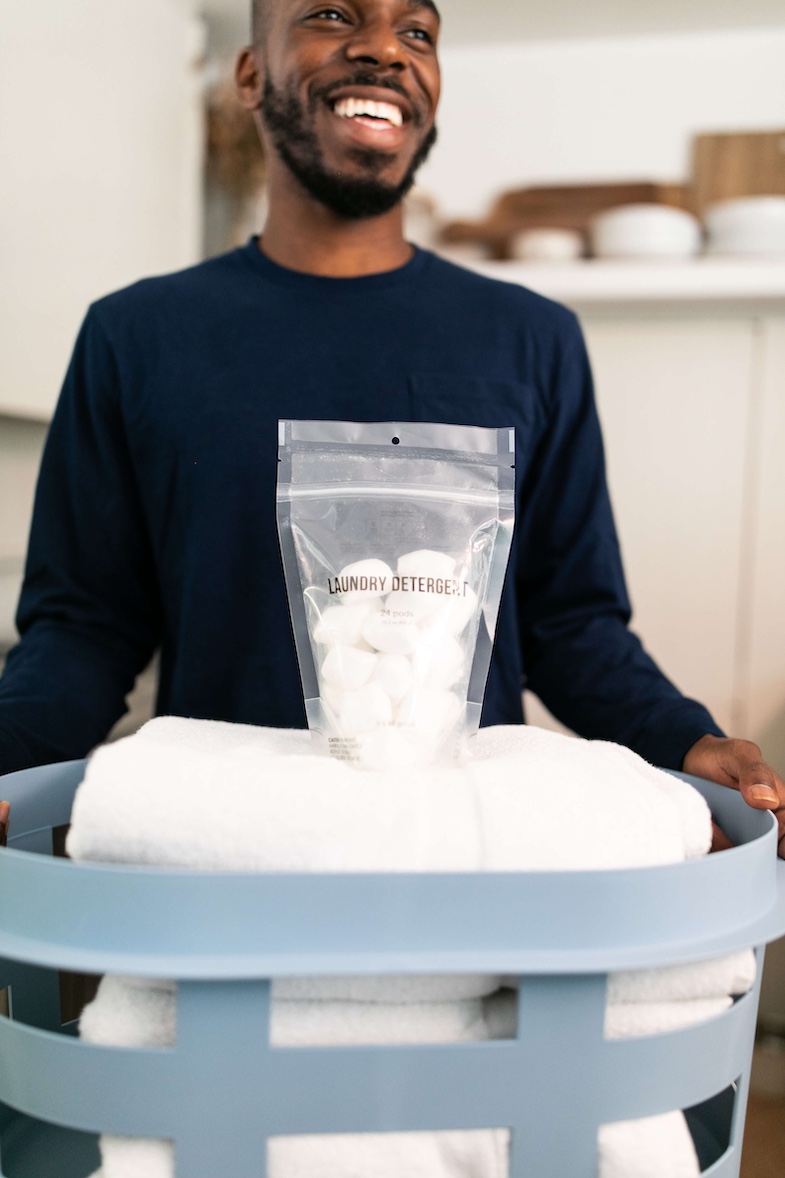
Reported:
(296, 143)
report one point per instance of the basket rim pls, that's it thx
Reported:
(210, 925)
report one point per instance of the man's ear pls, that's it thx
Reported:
(249, 79)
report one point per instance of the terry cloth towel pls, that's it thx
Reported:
(627, 1149)
(137, 1013)
(530, 800)
(569, 755)
(277, 807)
(525, 775)
(720, 977)
(622, 1020)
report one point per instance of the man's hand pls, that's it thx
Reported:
(4, 812)
(740, 764)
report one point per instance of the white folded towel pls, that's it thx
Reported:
(529, 800)
(400, 988)
(136, 1013)
(622, 1020)
(651, 1147)
(654, 1018)
(193, 737)
(145, 801)
(471, 1153)
(719, 977)
(129, 1012)
(542, 802)
(526, 776)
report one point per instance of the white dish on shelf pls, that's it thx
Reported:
(547, 245)
(752, 226)
(645, 231)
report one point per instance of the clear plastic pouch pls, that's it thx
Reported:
(395, 538)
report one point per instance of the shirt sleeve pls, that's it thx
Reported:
(89, 613)
(579, 655)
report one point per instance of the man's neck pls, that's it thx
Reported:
(302, 234)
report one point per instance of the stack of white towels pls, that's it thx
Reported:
(529, 800)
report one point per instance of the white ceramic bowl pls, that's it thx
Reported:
(645, 231)
(547, 245)
(751, 225)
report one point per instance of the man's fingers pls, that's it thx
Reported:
(762, 789)
(768, 793)
(740, 764)
(761, 794)
(760, 786)
(5, 810)
(719, 839)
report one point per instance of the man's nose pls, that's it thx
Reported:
(377, 44)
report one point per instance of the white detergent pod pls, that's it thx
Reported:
(454, 614)
(331, 697)
(390, 634)
(347, 668)
(389, 748)
(364, 710)
(363, 580)
(341, 625)
(438, 660)
(361, 644)
(429, 711)
(423, 581)
(395, 674)
(426, 563)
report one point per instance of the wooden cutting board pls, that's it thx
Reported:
(739, 164)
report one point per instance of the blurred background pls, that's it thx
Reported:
(625, 158)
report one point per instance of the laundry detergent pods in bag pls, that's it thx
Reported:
(395, 538)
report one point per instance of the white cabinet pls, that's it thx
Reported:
(101, 159)
(689, 365)
(673, 397)
(693, 410)
(762, 669)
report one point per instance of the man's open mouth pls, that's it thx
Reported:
(368, 112)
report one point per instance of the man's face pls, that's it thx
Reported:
(350, 97)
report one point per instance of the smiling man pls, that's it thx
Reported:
(348, 118)
(154, 524)
(345, 100)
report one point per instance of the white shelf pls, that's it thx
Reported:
(702, 280)
(22, 412)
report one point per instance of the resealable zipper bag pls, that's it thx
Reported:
(395, 538)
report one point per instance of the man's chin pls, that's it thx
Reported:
(357, 197)
(366, 182)
(373, 187)
(357, 191)
(372, 162)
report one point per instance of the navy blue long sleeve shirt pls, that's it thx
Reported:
(154, 524)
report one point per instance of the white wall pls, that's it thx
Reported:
(593, 110)
(100, 155)
(21, 443)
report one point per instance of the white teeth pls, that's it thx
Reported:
(349, 108)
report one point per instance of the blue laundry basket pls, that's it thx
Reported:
(223, 1090)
